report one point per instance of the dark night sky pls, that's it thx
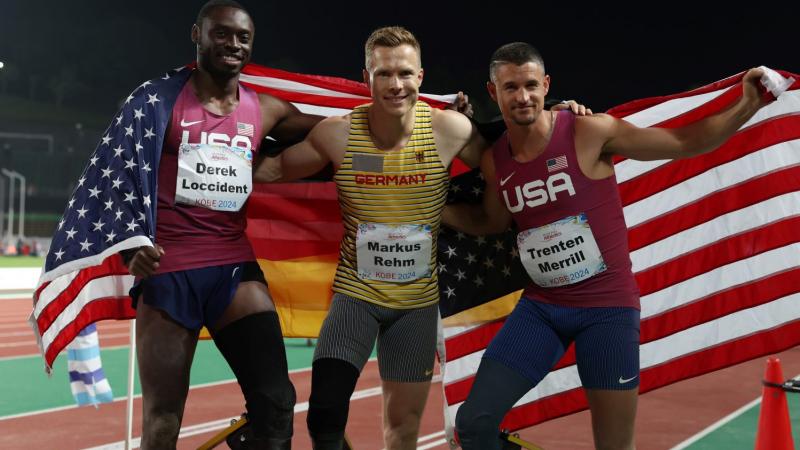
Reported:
(601, 55)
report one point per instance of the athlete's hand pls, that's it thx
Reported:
(753, 90)
(145, 261)
(462, 105)
(573, 106)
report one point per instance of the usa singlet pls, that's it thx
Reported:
(204, 178)
(573, 240)
(391, 204)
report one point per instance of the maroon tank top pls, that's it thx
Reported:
(194, 236)
(551, 190)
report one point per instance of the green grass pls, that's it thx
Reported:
(740, 433)
(27, 388)
(21, 261)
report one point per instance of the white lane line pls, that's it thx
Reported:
(428, 438)
(434, 444)
(716, 425)
(721, 422)
(215, 425)
(119, 399)
(116, 399)
(18, 344)
(17, 296)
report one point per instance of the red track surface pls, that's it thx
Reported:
(666, 416)
(16, 336)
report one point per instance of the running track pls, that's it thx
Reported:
(667, 417)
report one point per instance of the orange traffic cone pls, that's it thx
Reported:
(774, 427)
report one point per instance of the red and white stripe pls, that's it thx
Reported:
(68, 299)
(559, 163)
(715, 251)
(320, 95)
(244, 129)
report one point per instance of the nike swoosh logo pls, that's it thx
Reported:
(503, 180)
(626, 380)
(188, 124)
(234, 272)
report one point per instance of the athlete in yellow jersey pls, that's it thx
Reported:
(391, 158)
(391, 208)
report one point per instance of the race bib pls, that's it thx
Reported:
(561, 253)
(393, 253)
(216, 177)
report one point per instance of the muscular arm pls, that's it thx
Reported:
(324, 144)
(490, 217)
(283, 121)
(620, 137)
(457, 136)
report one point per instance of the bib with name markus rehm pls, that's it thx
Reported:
(391, 203)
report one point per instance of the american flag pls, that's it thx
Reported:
(714, 246)
(244, 129)
(557, 163)
(111, 209)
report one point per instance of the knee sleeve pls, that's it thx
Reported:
(253, 347)
(494, 392)
(477, 428)
(332, 383)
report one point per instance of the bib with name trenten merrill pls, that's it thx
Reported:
(561, 253)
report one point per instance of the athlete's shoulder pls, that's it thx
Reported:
(270, 102)
(595, 120)
(451, 123)
(250, 91)
(335, 123)
(331, 132)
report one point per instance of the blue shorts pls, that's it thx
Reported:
(196, 297)
(536, 335)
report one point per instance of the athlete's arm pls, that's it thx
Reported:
(457, 136)
(283, 121)
(653, 143)
(307, 157)
(490, 217)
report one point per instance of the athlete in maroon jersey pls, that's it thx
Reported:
(202, 271)
(553, 175)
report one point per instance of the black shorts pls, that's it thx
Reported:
(196, 297)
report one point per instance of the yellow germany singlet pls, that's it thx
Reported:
(391, 204)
